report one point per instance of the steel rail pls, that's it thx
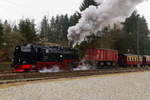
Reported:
(21, 77)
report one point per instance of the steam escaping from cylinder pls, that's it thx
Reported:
(94, 19)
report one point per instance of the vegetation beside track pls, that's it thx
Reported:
(5, 67)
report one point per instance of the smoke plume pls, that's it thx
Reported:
(94, 18)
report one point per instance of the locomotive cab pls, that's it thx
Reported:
(24, 57)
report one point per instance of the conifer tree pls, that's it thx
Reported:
(27, 29)
(133, 25)
(1, 34)
(44, 29)
(87, 3)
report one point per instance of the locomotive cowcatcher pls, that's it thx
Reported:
(37, 57)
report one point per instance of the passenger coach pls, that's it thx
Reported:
(129, 60)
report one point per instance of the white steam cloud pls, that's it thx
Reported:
(96, 18)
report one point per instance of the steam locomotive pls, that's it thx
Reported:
(36, 57)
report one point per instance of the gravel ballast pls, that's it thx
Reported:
(133, 86)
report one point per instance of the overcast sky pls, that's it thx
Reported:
(36, 9)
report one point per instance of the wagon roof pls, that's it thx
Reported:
(103, 49)
(146, 55)
(131, 55)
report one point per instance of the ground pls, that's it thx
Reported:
(130, 86)
(5, 66)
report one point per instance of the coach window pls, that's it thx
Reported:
(136, 59)
(146, 58)
(129, 58)
(141, 59)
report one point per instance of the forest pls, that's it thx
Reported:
(121, 37)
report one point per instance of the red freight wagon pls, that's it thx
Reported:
(129, 60)
(102, 57)
(146, 60)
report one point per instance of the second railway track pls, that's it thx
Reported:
(6, 78)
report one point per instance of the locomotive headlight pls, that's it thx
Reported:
(61, 56)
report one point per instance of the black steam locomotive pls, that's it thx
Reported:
(36, 57)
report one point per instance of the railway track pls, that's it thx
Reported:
(6, 78)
